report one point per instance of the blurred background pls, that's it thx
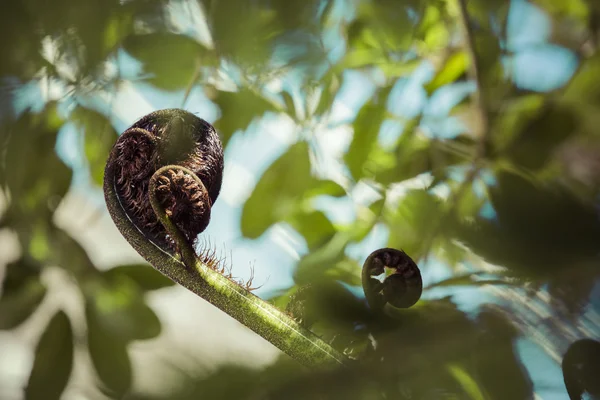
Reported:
(464, 132)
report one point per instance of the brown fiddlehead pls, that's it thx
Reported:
(162, 177)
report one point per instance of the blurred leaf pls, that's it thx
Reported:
(313, 266)
(99, 138)
(366, 130)
(68, 253)
(171, 59)
(327, 303)
(325, 188)
(570, 9)
(381, 25)
(289, 104)
(109, 356)
(539, 138)
(314, 226)
(144, 275)
(466, 381)
(518, 114)
(22, 293)
(469, 279)
(584, 88)
(347, 271)
(296, 14)
(238, 109)
(538, 230)
(455, 66)
(495, 355)
(37, 186)
(413, 222)
(244, 31)
(281, 186)
(53, 360)
(366, 219)
(331, 85)
(432, 30)
(118, 308)
(21, 42)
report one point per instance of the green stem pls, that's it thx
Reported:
(261, 317)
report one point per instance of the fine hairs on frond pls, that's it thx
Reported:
(220, 262)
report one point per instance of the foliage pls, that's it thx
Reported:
(507, 172)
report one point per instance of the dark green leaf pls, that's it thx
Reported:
(118, 305)
(17, 304)
(278, 192)
(414, 222)
(172, 60)
(366, 219)
(244, 31)
(347, 271)
(584, 88)
(144, 275)
(314, 227)
(366, 130)
(313, 267)
(541, 136)
(53, 361)
(39, 183)
(238, 109)
(109, 356)
(331, 85)
(289, 104)
(67, 253)
(99, 139)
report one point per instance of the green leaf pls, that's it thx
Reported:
(366, 219)
(289, 104)
(366, 130)
(469, 279)
(519, 112)
(172, 60)
(67, 253)
(326, 188)
(540, 137)
(313, 267)
(99, 138)
(118, 306)
(574, 9)
(109, 356)
(244, 31)
(238, 109)
(278, 192)
(21, 296)
(466, 381)
(38, 185)
(455, 66)
(413, 223)
(414, 155)
(144, 275)
(347, 271)
(584, 88)
(53, 360)
(331, 85)
(314, 227)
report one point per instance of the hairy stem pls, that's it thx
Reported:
(260, 316)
